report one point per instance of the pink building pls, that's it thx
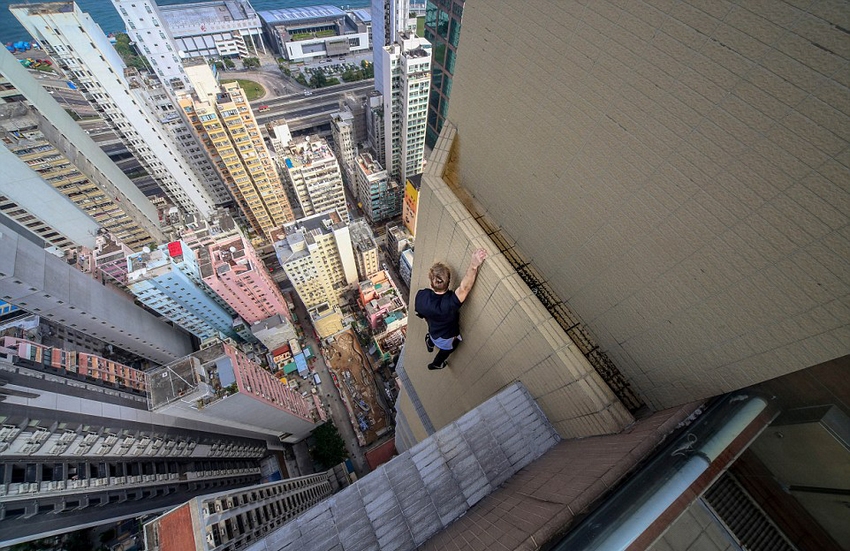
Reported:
(110, 259)
(223, 383)
(261, 386)
(69, 362)
(231, 268)
(381, 300)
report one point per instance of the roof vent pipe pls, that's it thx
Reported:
(631, 510)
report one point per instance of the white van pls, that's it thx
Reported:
(316, 379)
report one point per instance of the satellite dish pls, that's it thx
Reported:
(146, 250)
(233, 249)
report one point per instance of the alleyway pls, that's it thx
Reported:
(330, 395)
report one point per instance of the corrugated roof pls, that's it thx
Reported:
(292, 15)
(363, 15)
(417, 494)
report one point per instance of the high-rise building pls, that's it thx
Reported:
(78, 450)
(225, 122)
(668, 230)
(25, 135)
(365, 248)
(168, 280)
(317, 257)
(221, 383)
(231, 268)
(82, 50)
(375, 124)
(146, 28)
(39, 132)
(237, 517)
(39, 282)
(151, 32)
(403, 83)
(389, 18)
(411, 203)
(312, 170)
(35, 206)
(379, 195)
(342, 127)
(442, 30)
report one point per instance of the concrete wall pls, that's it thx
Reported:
(27, 189)
(41, 283)
(678, 172)
(508, 335)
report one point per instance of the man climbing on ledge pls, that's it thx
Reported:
(441, 307)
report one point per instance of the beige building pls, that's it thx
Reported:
(365, 248)
(223, 118)
(313, 172)
(681, 209)
(317, 257)
(27, 135)
(42, 135)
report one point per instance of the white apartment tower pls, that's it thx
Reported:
(404, 84)
(318, 258)
(313, 172)
(152, 37)
(145, 27)
(342, 126)
(389, 18)
(81, 49)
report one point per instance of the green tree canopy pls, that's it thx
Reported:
(319, 79)
(368, 69)
(329, 449)
(128, 53)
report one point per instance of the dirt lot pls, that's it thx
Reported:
(354, 375)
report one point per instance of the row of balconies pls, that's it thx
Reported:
(29, 488)
(218, 473)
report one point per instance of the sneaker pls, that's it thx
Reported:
(429, 343)
(444, 365)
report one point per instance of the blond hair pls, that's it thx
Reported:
(440, 276)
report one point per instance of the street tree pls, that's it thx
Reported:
(329, 448)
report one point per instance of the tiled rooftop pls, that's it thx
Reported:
(422, 491)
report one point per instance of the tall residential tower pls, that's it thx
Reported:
(224, 121)
(80, 48)
(404, 85)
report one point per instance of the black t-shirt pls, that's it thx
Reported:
(442, 312)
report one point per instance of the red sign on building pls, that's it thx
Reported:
(174, 249)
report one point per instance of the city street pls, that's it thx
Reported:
(330, 395)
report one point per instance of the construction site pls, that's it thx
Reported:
(353, 377)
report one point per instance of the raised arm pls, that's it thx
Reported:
(468, 280)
